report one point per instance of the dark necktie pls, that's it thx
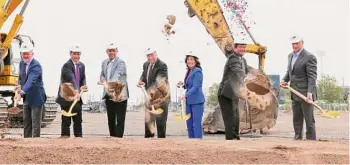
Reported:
(23, 74)
(77, 77)
(149, 73)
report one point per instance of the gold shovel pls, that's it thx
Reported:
(15, 110)
(148, 97)
(329, 114)
(69, 113)
(182, 116)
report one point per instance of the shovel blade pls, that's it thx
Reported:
(157, 111)
(183, 117)
(14, 110)
(331, 114)
(65, 113)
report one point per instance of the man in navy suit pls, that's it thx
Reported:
(33, 91)
(73, 71)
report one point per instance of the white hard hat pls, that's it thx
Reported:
(75, 48)
(295, 39)
(239, 41)
(191, 53)
(111, 46)
(27, 47)
(149, 50)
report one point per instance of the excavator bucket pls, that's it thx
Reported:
(259, 116)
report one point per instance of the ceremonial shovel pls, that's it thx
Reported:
(148, 97)
(15, 110)
(69, 113)
(329, 114)
(182, 116)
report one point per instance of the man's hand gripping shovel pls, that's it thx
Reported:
(183, 116)
(69, 113)
(15, 110)
(148, 97)
(328, 114)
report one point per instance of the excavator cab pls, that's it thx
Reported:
(9, 77)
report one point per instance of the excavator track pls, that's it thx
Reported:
(16, 121)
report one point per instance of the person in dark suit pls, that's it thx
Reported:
(114, 70)
(33, 92)
(73, 71)
(302, 74)
(232, 89)
(194, 96)
(154, 69)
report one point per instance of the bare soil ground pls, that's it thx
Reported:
(110, 150)
(275, 147)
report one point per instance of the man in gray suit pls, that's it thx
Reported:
(302, 74)
(114, 70)
(232, 89)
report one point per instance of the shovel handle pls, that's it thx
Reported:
(75, 102)
(304, 98)
(145, 92)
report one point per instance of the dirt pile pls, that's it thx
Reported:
(110, 150)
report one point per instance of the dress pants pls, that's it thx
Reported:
(194, 123)
(160, 120)
(116, 112)
(230, 115)
(32, 116)
(77, 121)
(301, 111)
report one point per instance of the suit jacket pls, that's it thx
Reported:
(118, 74)
(33, 86)
(68, 76)
(194, 92)
(160, 69)
(303, 75)
(235, 71)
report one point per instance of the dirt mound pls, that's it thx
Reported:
(132, 151)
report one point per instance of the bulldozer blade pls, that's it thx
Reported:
(157, 111)
(65, 113)
(14, 110)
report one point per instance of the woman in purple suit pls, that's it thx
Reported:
(194, 96)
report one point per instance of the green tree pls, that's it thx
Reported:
(287, 99)
(328, 90)
(212, 99)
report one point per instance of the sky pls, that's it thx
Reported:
(55, 26)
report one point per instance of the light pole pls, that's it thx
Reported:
(321, 54)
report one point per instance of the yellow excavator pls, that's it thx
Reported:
(9, 66)
(260, 112)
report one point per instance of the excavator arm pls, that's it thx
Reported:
(7, 8)
(210, 13)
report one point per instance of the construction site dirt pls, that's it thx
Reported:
(277, 146)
